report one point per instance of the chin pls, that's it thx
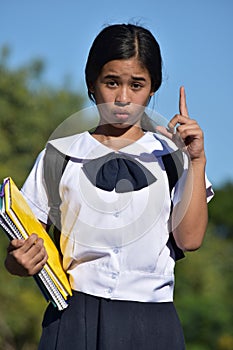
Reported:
(122, 125)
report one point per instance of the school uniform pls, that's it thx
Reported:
(117, 249)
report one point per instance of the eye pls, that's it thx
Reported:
(136, 86)
(111, 84)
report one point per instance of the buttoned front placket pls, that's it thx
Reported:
(114, 273)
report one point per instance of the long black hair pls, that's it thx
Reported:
(124, 41)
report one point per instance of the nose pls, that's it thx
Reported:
(122, 96)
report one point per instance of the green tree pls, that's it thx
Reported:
(29, 112)
(221, 212)
(205, 280)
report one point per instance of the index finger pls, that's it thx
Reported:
(182, 103)
(15, 243)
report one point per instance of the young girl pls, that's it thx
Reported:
(124, 219)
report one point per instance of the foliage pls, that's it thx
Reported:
(203, 294)
(204, 281)
(29, 112)
(21, 310)
(220, 214)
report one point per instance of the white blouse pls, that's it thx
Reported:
(114, 245)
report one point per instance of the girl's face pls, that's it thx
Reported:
(122, 90)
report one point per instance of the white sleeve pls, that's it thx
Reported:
(209, 190)
(179, 188)
(34, 190)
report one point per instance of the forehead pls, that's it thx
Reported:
(124, 67)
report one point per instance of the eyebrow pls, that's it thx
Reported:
(114, 76)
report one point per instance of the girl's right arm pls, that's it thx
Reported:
(26, 257)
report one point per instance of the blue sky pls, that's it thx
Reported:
(196, 44)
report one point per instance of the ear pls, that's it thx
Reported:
(91, 88)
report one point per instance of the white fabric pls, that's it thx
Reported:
(113, 244)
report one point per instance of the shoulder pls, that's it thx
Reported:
(69, 144)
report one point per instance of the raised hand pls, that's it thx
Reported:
(187, 130)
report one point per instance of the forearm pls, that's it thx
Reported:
(190, 216)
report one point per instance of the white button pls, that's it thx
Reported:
(116, 250)
(116, 214)
(109, 290)
(114, 275)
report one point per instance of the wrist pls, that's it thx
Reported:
(199, 161)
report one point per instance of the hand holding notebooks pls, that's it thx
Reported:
(18, 221)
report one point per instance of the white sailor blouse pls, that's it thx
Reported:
(114, 209)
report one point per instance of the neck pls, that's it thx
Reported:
(115, 137)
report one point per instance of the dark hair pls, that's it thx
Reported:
(124, 41)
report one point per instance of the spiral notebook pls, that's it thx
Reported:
(18, 221)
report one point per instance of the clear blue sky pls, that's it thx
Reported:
(196, 43)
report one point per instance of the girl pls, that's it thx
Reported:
(124, 219)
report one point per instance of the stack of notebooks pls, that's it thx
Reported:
(18, 221)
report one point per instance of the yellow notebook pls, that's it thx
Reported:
(16, 212)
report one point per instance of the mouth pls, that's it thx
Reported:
(121, 114)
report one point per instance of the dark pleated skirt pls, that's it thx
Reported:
(93, 323)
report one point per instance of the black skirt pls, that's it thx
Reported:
(94, 323)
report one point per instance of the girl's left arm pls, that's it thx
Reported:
(190, 215)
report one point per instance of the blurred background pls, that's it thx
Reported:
(43, 51)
